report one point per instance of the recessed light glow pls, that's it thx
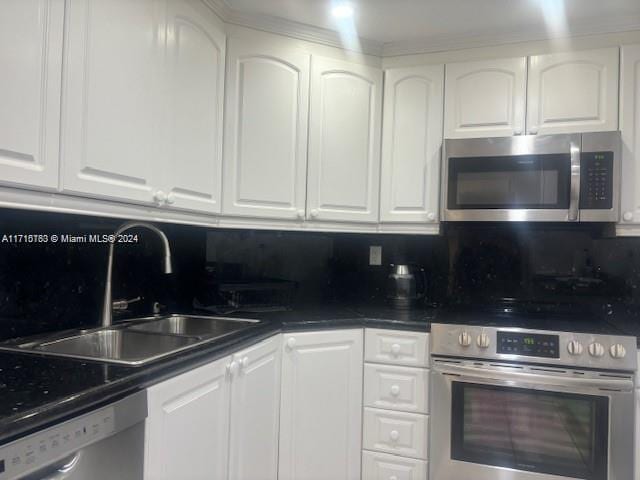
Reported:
(342, 10)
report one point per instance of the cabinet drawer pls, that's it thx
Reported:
(397, 347)
(395, 432)
(396, 388)
(382, 466)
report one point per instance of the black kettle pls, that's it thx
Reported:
(406, 284)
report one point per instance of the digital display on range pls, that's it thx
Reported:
(530, 344)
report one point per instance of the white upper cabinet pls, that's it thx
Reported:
(630, 126)
(485, 98)
(255, 408)
(111, 111)
(267, 101)
(321, 406)
(573, 92)
(195, 60)
(344, 141)
(411, 144)
(187, 428)
(31, 56)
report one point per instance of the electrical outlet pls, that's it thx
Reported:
(375, 255)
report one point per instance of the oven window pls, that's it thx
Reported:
(509, 182)
(538, 431)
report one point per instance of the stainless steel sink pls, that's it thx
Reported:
(117, 345)
(199, 326)
(134, 342)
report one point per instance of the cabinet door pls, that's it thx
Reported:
(255, 407)
(112, 103)
(630, 126)
(187, 426)
(344, 141)
(266, 112)
(195, 60)
(31, 57)
(321, 406)
(485, 98)
(411, 144)
(573, 92)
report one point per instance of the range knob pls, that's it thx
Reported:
(483, 340)
(617, 351)
(464, 339)
(575, 348)
(596, 349)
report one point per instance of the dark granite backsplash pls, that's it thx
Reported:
(46, 286)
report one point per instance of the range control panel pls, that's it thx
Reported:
(529, 344)
(596, 180)
(31, 453)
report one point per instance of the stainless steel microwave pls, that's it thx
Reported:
(549, 178)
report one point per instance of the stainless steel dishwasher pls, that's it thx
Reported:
(105, 444)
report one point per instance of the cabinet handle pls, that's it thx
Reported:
(395, 390)
(518, 131)
(627, 216)
(171, 198)
(394, 435)
(431, 216)
(232, 368)
(533, 130)
(395, 349)
(301, 214)
(314, 213)
(159, 196)
(245, 362)
(291, 342)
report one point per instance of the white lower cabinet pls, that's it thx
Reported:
(396, 405)
(187, 428)
(321, 406)
(637, 434)
(218, 421)
(383, 466)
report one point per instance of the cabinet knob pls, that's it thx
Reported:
(627, 216)
(159, 196)
(395, 349)
(291, 342)
(518, 131)
(314, 213)
(431, 216)
(394, 435)
(300, 214)
(395, 390)
(245, 362)
(171, 198)
(533, 130)
(232, 368)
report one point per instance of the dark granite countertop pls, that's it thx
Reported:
(37, 391)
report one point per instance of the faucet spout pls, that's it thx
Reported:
(107, 308)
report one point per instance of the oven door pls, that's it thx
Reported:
(524, 178)
(514, 422)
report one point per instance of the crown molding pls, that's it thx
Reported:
(443, 43)
(437, 43)
(281, 26)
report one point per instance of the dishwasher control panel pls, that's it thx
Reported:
(44, 448)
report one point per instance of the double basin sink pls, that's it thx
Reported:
(134, 342)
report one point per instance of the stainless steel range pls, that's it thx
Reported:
(521, 404)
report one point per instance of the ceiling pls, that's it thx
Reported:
(406, 21)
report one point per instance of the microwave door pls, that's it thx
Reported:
(512, 179)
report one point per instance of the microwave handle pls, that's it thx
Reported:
(574, 201)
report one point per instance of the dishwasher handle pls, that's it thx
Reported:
(60, 470)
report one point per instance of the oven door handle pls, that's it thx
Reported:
(528, 378)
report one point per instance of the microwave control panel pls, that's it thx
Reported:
(596, 180)
(529, 344)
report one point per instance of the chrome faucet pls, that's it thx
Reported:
(107, 309)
